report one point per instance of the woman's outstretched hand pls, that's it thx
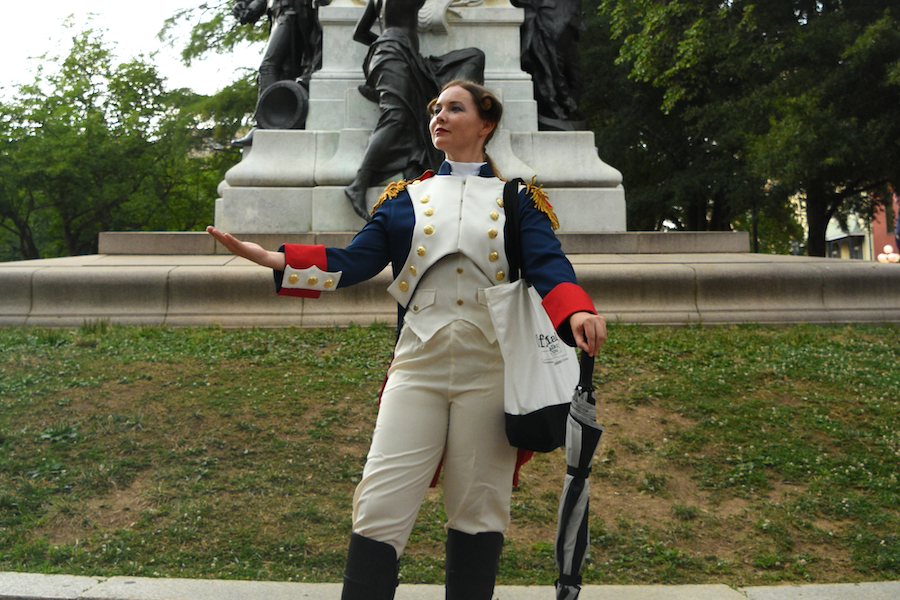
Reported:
(249, 250)
(589, 331)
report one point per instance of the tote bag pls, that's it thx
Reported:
(540, 370)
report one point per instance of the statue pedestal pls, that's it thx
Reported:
(291, 181)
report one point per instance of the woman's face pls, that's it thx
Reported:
(456, 127)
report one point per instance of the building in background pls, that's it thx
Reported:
(861, 241)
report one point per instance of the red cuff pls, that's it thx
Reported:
(565, 300)
(303, 256)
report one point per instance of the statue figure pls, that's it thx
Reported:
(402, 82)
(293, 52)
(549, 38)
(433, 15)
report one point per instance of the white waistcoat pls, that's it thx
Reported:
(457, 251)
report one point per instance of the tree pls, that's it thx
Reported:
(677, 176)
(802, 96)
(93, 146)
(214, 29)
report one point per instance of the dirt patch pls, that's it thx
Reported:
(67, 522)
(631, 434)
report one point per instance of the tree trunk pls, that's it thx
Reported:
(27, 246)
(22, 230)
(720, 217)
(817, 217)
(754, 228)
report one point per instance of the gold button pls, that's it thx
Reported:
(312, 281)
(425, 199)
(494, 256)
(429, 230)
(293, 279)
(459, 302)
(415, 308)
(494, 215)
(412, 269)
(429, 211)
(501, 275)
(420, 250)
(403, 286)
(459, 270)
(492, 233)
(329, 283)
(500, 202)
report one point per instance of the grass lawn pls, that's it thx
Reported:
(741, 455)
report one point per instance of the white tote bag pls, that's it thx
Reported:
(540, 370)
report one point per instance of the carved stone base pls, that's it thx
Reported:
(326, 208)
(291, 181)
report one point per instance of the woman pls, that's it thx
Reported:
(442, 403)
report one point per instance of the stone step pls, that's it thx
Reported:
(651, 242)
(646, 288)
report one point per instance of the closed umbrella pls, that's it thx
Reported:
(582, 436)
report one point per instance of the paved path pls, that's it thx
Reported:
(26, 586)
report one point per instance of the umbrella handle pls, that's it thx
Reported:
(587, 371)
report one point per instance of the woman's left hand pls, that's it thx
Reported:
(589, 331)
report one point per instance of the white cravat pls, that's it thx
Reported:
(464, 169)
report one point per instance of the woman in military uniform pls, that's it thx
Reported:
(442, 402)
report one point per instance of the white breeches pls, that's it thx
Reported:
(442, 399)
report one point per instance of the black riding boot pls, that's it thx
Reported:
(371, 572)
(471, 564)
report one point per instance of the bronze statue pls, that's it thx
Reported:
(402, 82)
(293, 52)
(549, 38)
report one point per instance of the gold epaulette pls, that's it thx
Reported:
(541, 203)
(394, 188)
(391, 191)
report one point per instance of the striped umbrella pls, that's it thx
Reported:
(582, 436)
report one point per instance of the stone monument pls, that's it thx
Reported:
(292, 181)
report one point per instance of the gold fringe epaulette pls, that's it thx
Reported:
(394, 188)
(541, 203)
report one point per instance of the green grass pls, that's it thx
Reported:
(742, 455)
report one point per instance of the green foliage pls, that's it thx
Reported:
(213, 30)
(679, 174)
(758, 101)
(773, 228)
(739, 455)
(94, 145)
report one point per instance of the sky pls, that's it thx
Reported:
(129, 31)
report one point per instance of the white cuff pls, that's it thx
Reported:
(312, 278)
